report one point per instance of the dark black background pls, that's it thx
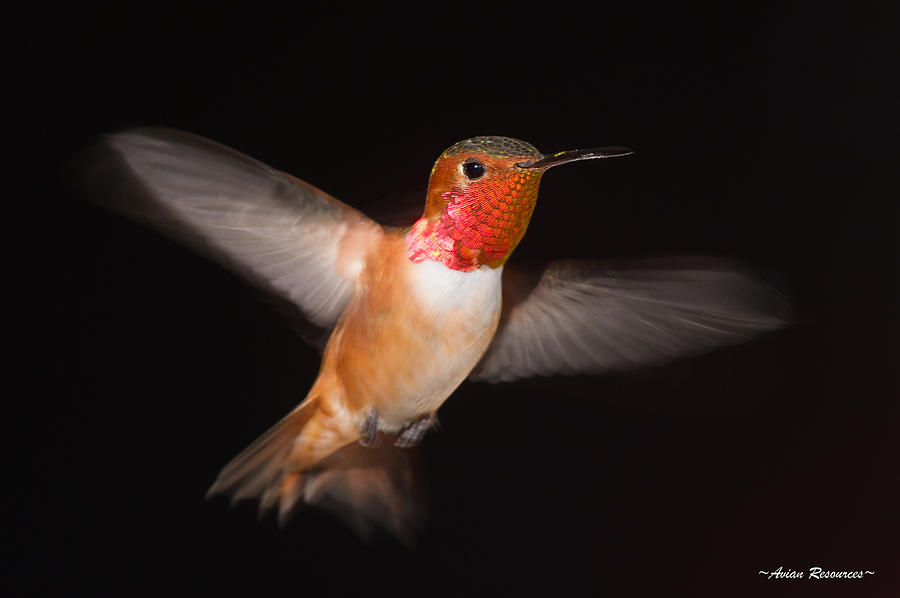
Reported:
(768, 134)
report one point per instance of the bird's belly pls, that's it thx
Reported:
(406, 355)
(434, 369)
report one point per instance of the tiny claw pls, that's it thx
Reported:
(369, 433)
(412, 433)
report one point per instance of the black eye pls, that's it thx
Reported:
(473, 169)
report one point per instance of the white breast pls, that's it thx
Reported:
(462, 310)
(442, 292)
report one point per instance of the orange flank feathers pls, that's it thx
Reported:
(388, 355)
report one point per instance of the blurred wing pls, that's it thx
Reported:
(588, 317)
(277, 231)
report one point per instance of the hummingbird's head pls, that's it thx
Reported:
(481, 195)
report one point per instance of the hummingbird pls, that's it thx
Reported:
(412, 311)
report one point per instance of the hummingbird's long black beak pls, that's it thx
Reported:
(549, 160)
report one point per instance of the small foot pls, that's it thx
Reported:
(412, 433)
(369, 433)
